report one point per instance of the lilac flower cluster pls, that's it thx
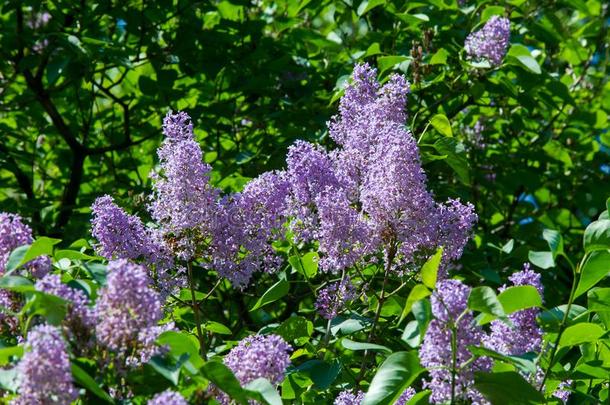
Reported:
(127, 313)
(361, 198)
(259, 356)
(371, 192)
(14, 233)
(256, 356)
(332, 299)
(232, 234)
(349, 397)
(525, 335)
(183, 202)
(167, 397)
(452, 321)
(490, 42)
(44, 371)
(405, 396)
(80, 318)
(245, 226)
(124, 236)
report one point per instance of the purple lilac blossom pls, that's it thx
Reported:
(525, 335)
(334, 298)
(127, 313)
(449, 302)
(490, 42)
(257, 356)
(79, 318)
(563, 391)
(44, 371)
(373, 186)
(183, 202)
(124, 236)
(15, 233)
(310, 170)
(349, 397)
(245, 226)
(344, 234)
(405, 396)
(167, 397)
(120, 235)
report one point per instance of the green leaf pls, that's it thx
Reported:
(180, 343)
(491, 11)
(217, 327)
(551, 319)
(15, 258)
(356, 346)
(86, 381)
(388, 62)
(322, 373)
(42, 246)
(484, 300)
(544, 260)
(346, 326)
(429, 270)
(580, 333)
(440, 57)
(456, 157)
(274, 293)
(595, 269)
(524, 364)
(558, 152)
(294, 328)
(508, 246)
(507, 387)
(554, 240)
(521, 56)
(306, 265)
(72, 255)
(51, 307)
(394, 375)
(262, 390)
(599, 302)
(16, 283)
(418, 292)
(368, 5)
(8, 353)
(420, 398)
(529, 63)
(169, 369)
(597, 236)
(225, 380)
(515, 299)
(441, 123)
(98, 272)
(519, 297)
